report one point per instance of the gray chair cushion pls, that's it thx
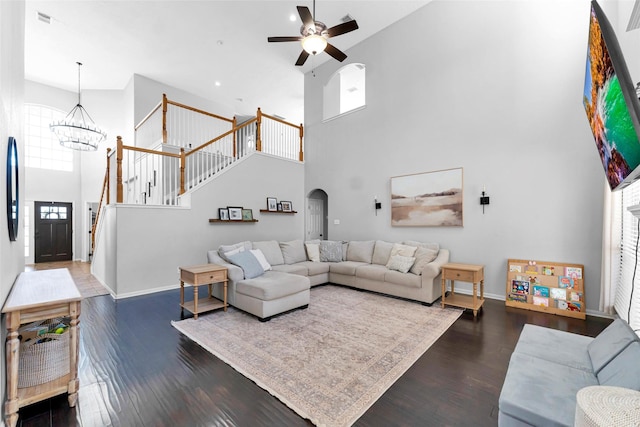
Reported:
(609, 343)
(624, 369)
(273, 285)
(271, 251)
(293, 251)
(248, 262)
(556, 346)
(360, 251)
(541, 392)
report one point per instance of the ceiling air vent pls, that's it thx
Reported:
(43, 17)
(634, 21)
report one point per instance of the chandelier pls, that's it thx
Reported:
(78, 130)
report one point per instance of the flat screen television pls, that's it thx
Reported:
(611, 103)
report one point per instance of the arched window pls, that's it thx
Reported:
(42, 148)
(345, 91)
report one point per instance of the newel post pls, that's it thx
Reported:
(108, 177)
(301, 156)
(164, 118)
(235, 142)
(119, 191)
(183, 161)
(258, 130)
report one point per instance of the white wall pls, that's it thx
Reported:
(152, 242)
(493, 87)
(11, 124)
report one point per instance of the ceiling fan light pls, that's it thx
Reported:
(314, 44)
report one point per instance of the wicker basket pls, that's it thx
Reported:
(41, 362)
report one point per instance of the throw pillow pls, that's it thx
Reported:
(400, 263)
(403, 250)
(248, 263)
(434, 246)
(313, 251)
(227, 248)
(293, 251)
(261, 259)
(330, 251)
(360, 251)
(423, 257)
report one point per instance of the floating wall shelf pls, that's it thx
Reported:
(277, 212)
(230, 221)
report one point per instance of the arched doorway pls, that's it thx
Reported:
(316, 221)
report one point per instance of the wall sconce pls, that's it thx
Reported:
(484, 200)
(377, 204)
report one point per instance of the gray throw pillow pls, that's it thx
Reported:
(400, 263)
(293, 251)
(330, 251)
(248, 263)
(223, 249)
(423, 257)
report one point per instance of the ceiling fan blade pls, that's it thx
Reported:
(335, 52)
(285, 39)
(305, 16)
(302, 58)
(343, 28)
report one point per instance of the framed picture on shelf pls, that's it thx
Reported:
(235, 213)
(223, 214)
(247, 215)
(272, 204)
(286, 206)
(279, 207)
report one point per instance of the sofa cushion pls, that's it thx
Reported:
(403, 250)
(298, 269)
(223, 249)
(313, 251)
(372, 272)
(293, 251)
(400, 263)
(624, 369)
(360, 251)
(273, 285)
(248, 262)
(347, 268)
(556, 346)
(330, 251)
(404, 279)
(271, 251)
(381, 252)
(609, 343)
(541, 392)
(434, 246)
(315, 268)
(261, 259)
(424, 256)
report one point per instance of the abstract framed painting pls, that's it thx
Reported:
(429, 199)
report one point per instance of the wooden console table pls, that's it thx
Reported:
(465, 273)
(36, 296)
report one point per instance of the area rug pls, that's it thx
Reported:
(331, 361)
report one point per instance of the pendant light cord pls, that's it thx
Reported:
(79, 65)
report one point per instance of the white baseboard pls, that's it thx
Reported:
(144, 292)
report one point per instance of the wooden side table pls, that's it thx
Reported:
(465, 273)
(204, 274)
(35, 296)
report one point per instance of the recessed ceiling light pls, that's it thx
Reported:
(217, 83)
(292, 17)
(220, 42)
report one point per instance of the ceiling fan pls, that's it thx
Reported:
(314, 35)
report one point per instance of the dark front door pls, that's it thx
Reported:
(52, 231)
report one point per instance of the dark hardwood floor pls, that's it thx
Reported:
(137, 370)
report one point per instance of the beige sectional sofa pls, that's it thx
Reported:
(408, 270)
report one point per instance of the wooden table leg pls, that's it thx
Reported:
(475, 299)
(195, 301)
(74, 383)
(444, 291)
(13, 349)
(210, 289)
(181, 296)
(225, 295)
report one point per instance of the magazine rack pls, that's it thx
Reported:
(550, 287)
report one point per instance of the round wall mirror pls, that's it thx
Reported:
(12, 188)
